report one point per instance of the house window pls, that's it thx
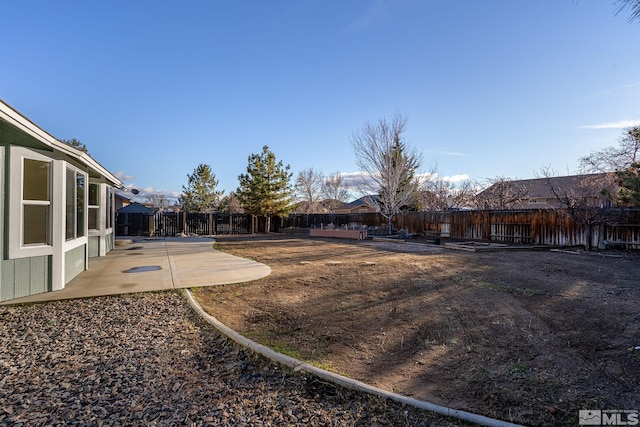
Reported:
(94, 208)
(36, 202)
(80, 202)
(75, 183)
(109, 206)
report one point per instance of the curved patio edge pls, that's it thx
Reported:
(298, 365)
(154, 264)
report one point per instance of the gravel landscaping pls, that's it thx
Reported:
(147, 359)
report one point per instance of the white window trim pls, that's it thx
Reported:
(100, 226)
(57, 209)
(76, 241)
(108, 210)
(103, 206)
(16, 248)
(76, 172)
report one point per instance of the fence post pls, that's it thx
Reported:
(487, 227)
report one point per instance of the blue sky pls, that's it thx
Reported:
(491, 87)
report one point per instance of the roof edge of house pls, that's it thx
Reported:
(24, 124)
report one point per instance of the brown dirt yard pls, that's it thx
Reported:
(525, 336)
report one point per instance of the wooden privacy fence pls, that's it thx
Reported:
(595, 228)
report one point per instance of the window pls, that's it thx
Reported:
(80, 195)
(74, 204)
(36, 202)
(94, 208)
(109, 207)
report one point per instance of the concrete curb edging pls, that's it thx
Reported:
(298, 365)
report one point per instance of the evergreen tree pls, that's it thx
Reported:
(400, 189)
(388, 164)
(265, 189)
(629, 181)
(200, 194)
(76, 144)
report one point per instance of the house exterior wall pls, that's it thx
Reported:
(109, 241)
(29, 266)
(94, 246)
(75, 262)
(24, 276)
(100, 245)
(18, 277)
(101, 237)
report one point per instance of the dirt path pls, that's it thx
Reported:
(528, 337)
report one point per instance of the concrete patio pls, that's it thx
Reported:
(152, 264)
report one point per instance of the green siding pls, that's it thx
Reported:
(4, 197)
(6, 286)
(74, 263)
(39, 271)
(15, 137)
(25, 276)
(22, 277)
(94, 246)
(108, 242)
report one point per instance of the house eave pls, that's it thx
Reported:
(16, 119)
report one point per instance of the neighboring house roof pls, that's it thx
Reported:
(539, 192)
(137, 208)
(538, 188)
(366, 202)
(322, 206)
(17, 120)
(121, 195)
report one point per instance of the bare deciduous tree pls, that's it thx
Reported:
(158, 200)
(581, 197)
(441, 195)
(434, 195)
(389, 164)
(633, 5)
(334, 190)
(309, 188)
(502, 193)
(579, 192)
(464, 195)
(231, 204)
(614, 159)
